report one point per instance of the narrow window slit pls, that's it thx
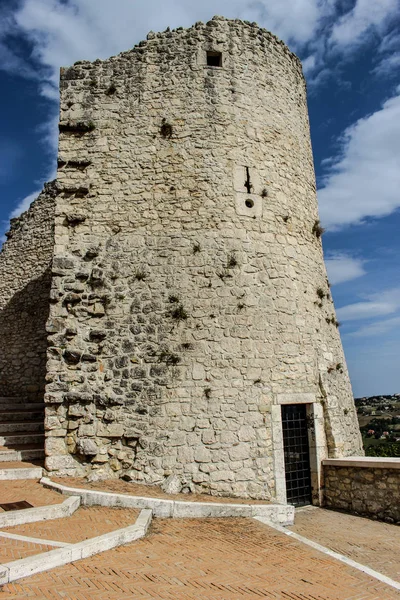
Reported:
(247, 184)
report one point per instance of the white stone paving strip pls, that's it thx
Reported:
(277, 513)
(32, 540)
(7, 474)
(61, 556)
(40, 513)
(348, 561)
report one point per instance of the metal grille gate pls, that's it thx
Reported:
(297, 454)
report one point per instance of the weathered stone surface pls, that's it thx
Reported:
(172, 485)
(366, 491)
(197, 312)
(87, 447)
(25, 279)
(186, 284)
(111, 430)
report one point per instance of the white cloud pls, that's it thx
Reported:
(342, 267)
(388, 66)
(377, 328)
(365, 310)
(309, 64)
(364, 181)
(384, 303)
(48, 131)
(24, 204)
(388, 55)
(364, 17)
(64, 32)
(390, 42)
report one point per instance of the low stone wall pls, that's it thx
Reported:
(366, 486)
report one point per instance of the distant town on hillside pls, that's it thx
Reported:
(379, 420)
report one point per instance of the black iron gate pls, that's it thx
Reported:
(297, 454)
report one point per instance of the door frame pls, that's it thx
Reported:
(316, 440)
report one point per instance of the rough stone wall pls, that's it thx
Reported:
(185, 296)
(25, 279)
(366, 491)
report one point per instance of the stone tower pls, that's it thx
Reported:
(189, 298)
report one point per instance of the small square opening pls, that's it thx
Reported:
(214, 59)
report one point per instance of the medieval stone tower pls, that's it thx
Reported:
(190, 313)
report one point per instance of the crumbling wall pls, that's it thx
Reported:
(25, 279)
(189, 291)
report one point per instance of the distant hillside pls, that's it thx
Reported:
(379, 420)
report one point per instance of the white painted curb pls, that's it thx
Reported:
(41, 513)
(282, 514)
(348, 561)
(32, 540)
(28, 473)
(61, 556)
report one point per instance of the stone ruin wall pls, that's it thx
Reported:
(180, 315)
(25, 279)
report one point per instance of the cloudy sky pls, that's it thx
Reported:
(351, 56)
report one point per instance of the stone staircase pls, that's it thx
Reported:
(21, 432)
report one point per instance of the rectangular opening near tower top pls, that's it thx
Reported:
(214, 59)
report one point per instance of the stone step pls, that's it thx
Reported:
(21, 453)
(21, 426)
(12, 399)
(21, 415)
(20, 470)
(22, 406)
(10, 440)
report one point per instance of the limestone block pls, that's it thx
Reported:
(247, 433)
(111, 430)
(55, 446)
(239, 452)
(61, 463)
(217, 476)
(198, 372)
(172, 485)
(52, 423)
(87, 447)
(208, 437)
(85, 430)
(202, 455)
(75, 410)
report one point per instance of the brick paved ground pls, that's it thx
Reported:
(210, 559)
(371, 543)
(151, 491)
(15, 549)
(85, 523)
(29, 490)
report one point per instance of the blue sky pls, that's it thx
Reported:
(351, 56)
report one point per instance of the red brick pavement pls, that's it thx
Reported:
(30, 490)
(371, 543)
(210, 559)
(85, 523)
(16, 549)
